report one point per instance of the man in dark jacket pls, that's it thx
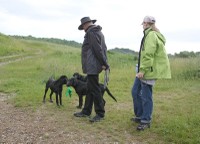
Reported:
(94, 60)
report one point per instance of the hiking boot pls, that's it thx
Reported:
(143, 126)
(80, 114)
(97, 118)
(135, 119)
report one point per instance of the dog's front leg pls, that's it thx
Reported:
(50, 96)
(44, 97)
(60, 97)
(80, 101)
(57, 99)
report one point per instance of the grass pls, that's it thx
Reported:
(176, 101)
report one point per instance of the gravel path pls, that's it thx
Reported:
(41, 126)
(20, 125)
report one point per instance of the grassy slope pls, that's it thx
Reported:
(176, 101)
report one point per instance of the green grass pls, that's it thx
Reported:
(176, 101)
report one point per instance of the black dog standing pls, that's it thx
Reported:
(79, 84)
(56, 87)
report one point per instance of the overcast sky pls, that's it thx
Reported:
(178, 20)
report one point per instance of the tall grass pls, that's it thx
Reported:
(10, 46)
(185, 68)
(176, 101)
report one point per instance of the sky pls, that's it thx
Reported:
(177, 20)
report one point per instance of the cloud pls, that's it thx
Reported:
(187, 35)
(121, 20)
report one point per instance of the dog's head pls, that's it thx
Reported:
(76, 75)
(80, 77)
(63, 79)
(72, 82)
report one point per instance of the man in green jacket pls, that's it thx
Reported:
(153, 64)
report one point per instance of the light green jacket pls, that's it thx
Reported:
(154, 62)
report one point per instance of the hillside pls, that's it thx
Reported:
(124, 51)
(25, 66)
(52, 40)
(183, 54)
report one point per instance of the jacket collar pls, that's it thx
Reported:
(89, 28)
(146, 31)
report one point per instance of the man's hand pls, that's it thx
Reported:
(140, 75)
(105, 67)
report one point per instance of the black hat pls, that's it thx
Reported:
(85, 20)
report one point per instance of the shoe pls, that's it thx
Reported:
(80, 114)
(135, 119)
(97, 118)
(143, 126)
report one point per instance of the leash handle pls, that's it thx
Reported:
(106, 78)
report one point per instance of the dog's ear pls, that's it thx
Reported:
(74, 81)
(63, 77)
(69, 82)
(76, 75)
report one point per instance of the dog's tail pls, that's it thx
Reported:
(109, 93)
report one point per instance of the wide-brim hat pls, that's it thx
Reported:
(85, 20)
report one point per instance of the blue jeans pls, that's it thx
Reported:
(142, 100)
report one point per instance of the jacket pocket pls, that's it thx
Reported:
(151, 69)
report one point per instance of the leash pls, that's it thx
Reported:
(106, 78)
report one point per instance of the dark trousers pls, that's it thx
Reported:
(94, 96)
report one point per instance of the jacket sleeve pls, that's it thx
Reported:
(150, 46)
(95, 41)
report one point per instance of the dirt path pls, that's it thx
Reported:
(15, 60)
(43, 126)
(20, 125)
(4, 60)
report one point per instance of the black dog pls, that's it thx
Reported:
(81, 89)
(84, 79)
(56, 87)
(80, 77)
